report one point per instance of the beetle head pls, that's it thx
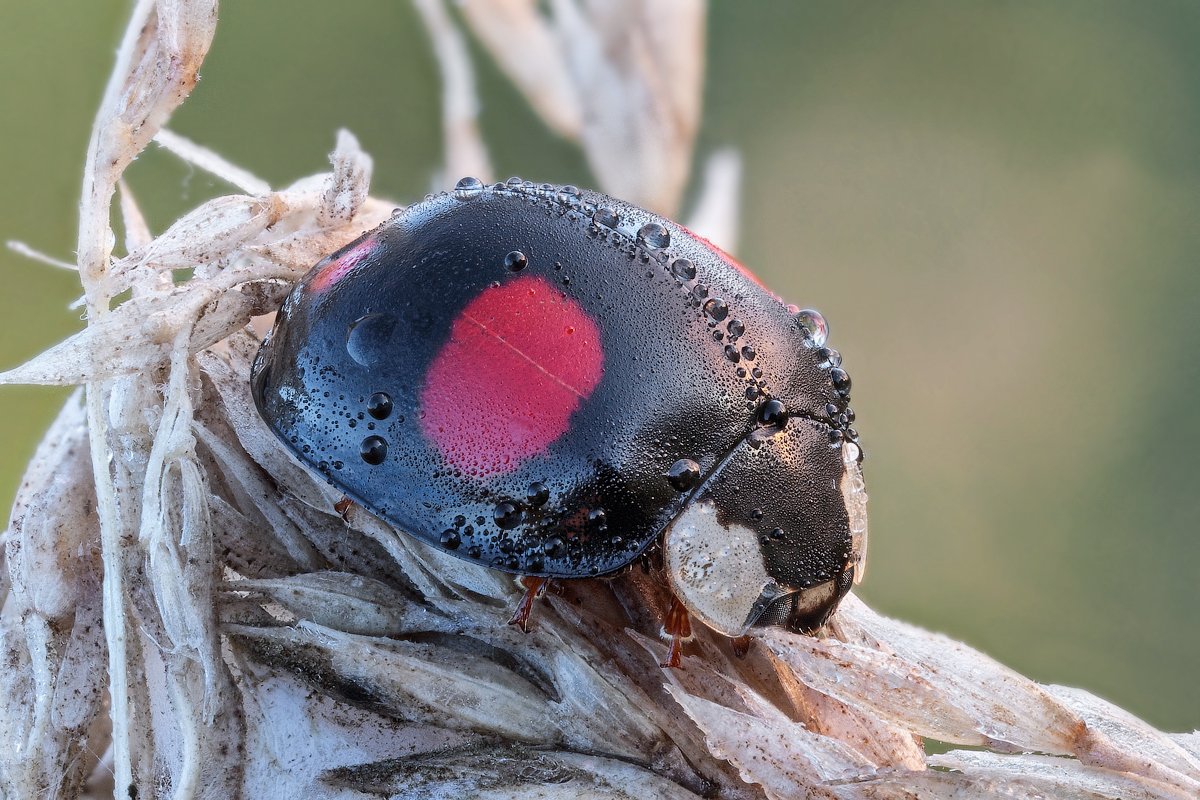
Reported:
(775, 536)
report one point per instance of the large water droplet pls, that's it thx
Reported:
(684, 474)
(735, 327)
(606, 216)
(451, 539)
(569, 194)
(829, 357)
(841, 379)
(555, 547)
(814, 324)
(538, 494)
(379, 405)
(368, 338)
(507, 514)
(773, 413)
(468, 189)
(716, 308)
(516, 261)
(373, 450)
(652, 234)
(683, 268)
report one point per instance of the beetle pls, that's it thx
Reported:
(552, 382)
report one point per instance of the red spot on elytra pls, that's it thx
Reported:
(520, 360)
(340, 267)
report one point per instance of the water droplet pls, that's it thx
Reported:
(732, 353)
(515, 261)
(776, 533)
(817, 330)
(513, 182)
(468, 189)
(829, 357)
(373, 450)
(700, 290)
(554, 547)
(849, 414)
(716, 308)
(841, 379)
(606, 216)
(368, 338)
(379, 405)
(683, 268)
(735, 327)
(508, 514)
(652, 234)
(773, 413)
(756, 514)
(748, 353)
(569, 194)
(835, 437)
(752, 392)
(684, 474)
(451, 539)
(598, 519)
(538, 494)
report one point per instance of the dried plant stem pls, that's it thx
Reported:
(173, 38)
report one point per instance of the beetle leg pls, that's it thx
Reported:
(343, 507)
(741, 645)
(534, 588)
(678, 626)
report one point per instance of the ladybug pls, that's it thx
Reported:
(553, 383)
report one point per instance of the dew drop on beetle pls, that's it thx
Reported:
(468, 189)
(373, 450)
(814, 324)
(379, 405)
(515, 261)
(654, 235)
(684, 474)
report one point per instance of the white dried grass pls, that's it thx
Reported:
(185, 612)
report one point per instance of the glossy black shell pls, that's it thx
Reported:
(689, 361)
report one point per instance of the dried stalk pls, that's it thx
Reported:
(164, 549)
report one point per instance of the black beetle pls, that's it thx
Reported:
(549, 381)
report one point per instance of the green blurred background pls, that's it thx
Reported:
(996, 204)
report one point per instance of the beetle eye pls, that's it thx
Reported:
(778, 613)
(804, 611)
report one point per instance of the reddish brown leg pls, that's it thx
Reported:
(741, 645)
(678, 626)
(534, 588)
(343, 507)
